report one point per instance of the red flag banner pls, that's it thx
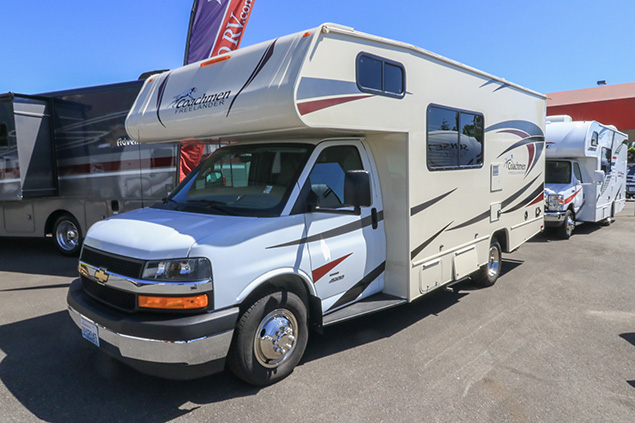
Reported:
(216, 27)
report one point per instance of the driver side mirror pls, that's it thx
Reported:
(357, 189)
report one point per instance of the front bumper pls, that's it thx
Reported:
(554, 218)
(178, 347)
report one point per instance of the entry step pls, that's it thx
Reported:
(368, 305)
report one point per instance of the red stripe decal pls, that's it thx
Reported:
(101, 167)
(538, 199)
(313, 106)
(568, 200)
(321, 271)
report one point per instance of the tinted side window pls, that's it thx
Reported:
(4, 135)
(454, 138)
(576, 172)
(327, 176)
(369, 73)
(381, 76)
(471, 140)
(606, 160)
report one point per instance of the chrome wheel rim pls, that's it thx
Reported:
(67, 235)
(493, 264)
(275, 338)
(570, 225)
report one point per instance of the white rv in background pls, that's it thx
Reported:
(362, 173)
(585, 177)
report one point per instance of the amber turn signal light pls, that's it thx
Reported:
(215, 60)
(173, 303)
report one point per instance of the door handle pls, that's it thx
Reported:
(374, 219)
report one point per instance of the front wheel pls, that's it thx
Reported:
(67, 235)
(489, 273)
(270, 339)
(566, 229)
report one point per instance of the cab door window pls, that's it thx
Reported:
(576, 172)
(327, 176)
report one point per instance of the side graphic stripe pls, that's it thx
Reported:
(322, 87)
(513, 198)
(323, 270)
(538, 199)
(568, 200)
(523, 125)
(504, 204)
(420, 248)
(522, 142)
(160, 97)
(478, 218)
(523, 203)
(313, 106)
(344, 229)
(261, 64)
(359, 287)
(422, 207)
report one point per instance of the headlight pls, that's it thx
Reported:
(555, 202)
(180, 270)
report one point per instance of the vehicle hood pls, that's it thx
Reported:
(158, 234)
(552, 189)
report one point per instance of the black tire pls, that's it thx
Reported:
(67, 235)
(609, 220)
(566, 229)
(269, 339)
(489, 273)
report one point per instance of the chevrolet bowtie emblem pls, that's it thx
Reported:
(101, 276)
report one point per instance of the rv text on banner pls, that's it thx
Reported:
(216, 27)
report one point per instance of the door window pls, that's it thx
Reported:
(576, 171)
(327, 176)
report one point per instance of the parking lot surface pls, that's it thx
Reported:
(552, 341)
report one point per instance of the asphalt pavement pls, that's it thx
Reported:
(552, 341)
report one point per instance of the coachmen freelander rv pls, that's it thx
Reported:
(585, 176)
(67, 162)
(363, 174)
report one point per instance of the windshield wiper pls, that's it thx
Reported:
(213, 204)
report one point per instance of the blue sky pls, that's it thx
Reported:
(545, 45)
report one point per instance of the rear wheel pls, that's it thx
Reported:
(489, 273)
(269, 339)
(566, 229)
(67, 235)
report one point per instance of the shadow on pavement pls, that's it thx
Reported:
(35, 256)
(630, 337)
(60, 377)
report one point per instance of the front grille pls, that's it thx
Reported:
(120, 265)
(121, 300)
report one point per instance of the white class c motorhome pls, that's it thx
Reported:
(362, 173)
(585, 176)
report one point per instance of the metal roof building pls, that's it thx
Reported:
(608, 104)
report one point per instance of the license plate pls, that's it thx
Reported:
(90, 331)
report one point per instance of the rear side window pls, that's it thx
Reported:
(454, 138)
(377, 75)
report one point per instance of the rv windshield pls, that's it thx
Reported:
(557, 172)
(243, 180)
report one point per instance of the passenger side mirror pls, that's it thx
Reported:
(357, 189)
(598, 176)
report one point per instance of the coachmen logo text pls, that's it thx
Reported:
(513, 166)
(188, 102)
